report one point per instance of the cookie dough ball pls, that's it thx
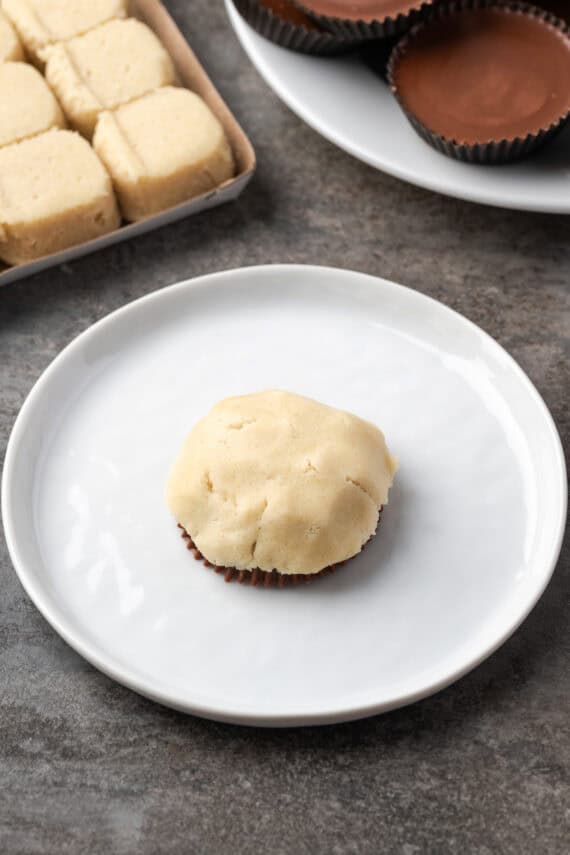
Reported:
(20, 84)
(277, 481)
(108, 66)
(44, 22)
(10, 46)
(55, 193)
(162, 149)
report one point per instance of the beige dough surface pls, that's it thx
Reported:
(10, 46)
(106, 67)
(22, 84)
(277, 481)
(162, 149)
(42, 22)
(54, 193)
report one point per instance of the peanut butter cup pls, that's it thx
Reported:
(365, 19)
(484, 82)
(273, 485)
(287, 25)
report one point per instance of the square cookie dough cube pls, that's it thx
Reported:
(10, 46)
(54, 193)
(106, 67)
(27, 105)
(40, 23)
(162, 149)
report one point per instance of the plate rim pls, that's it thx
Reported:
(90, 650)
(240, 26)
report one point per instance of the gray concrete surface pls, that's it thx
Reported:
(88, 767)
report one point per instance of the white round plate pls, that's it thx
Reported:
(347, 103)
(465, 548)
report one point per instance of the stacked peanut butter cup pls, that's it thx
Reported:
(482, 81)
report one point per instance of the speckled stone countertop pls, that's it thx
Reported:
(483, 768)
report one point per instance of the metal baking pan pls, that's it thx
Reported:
(193, 76)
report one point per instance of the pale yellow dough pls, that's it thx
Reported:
(54, 192)
(10, 46)
(44, 22)
(277, 481)
(22, 84)
(162, 149)
(106, 67)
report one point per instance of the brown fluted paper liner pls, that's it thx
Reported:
(491, 152)
(260, 578)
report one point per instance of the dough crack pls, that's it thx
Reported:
(359, 486)
(259, 524)
(242, 424)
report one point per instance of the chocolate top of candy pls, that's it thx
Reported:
(481, 75)
(289, 12)
(361, 10)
